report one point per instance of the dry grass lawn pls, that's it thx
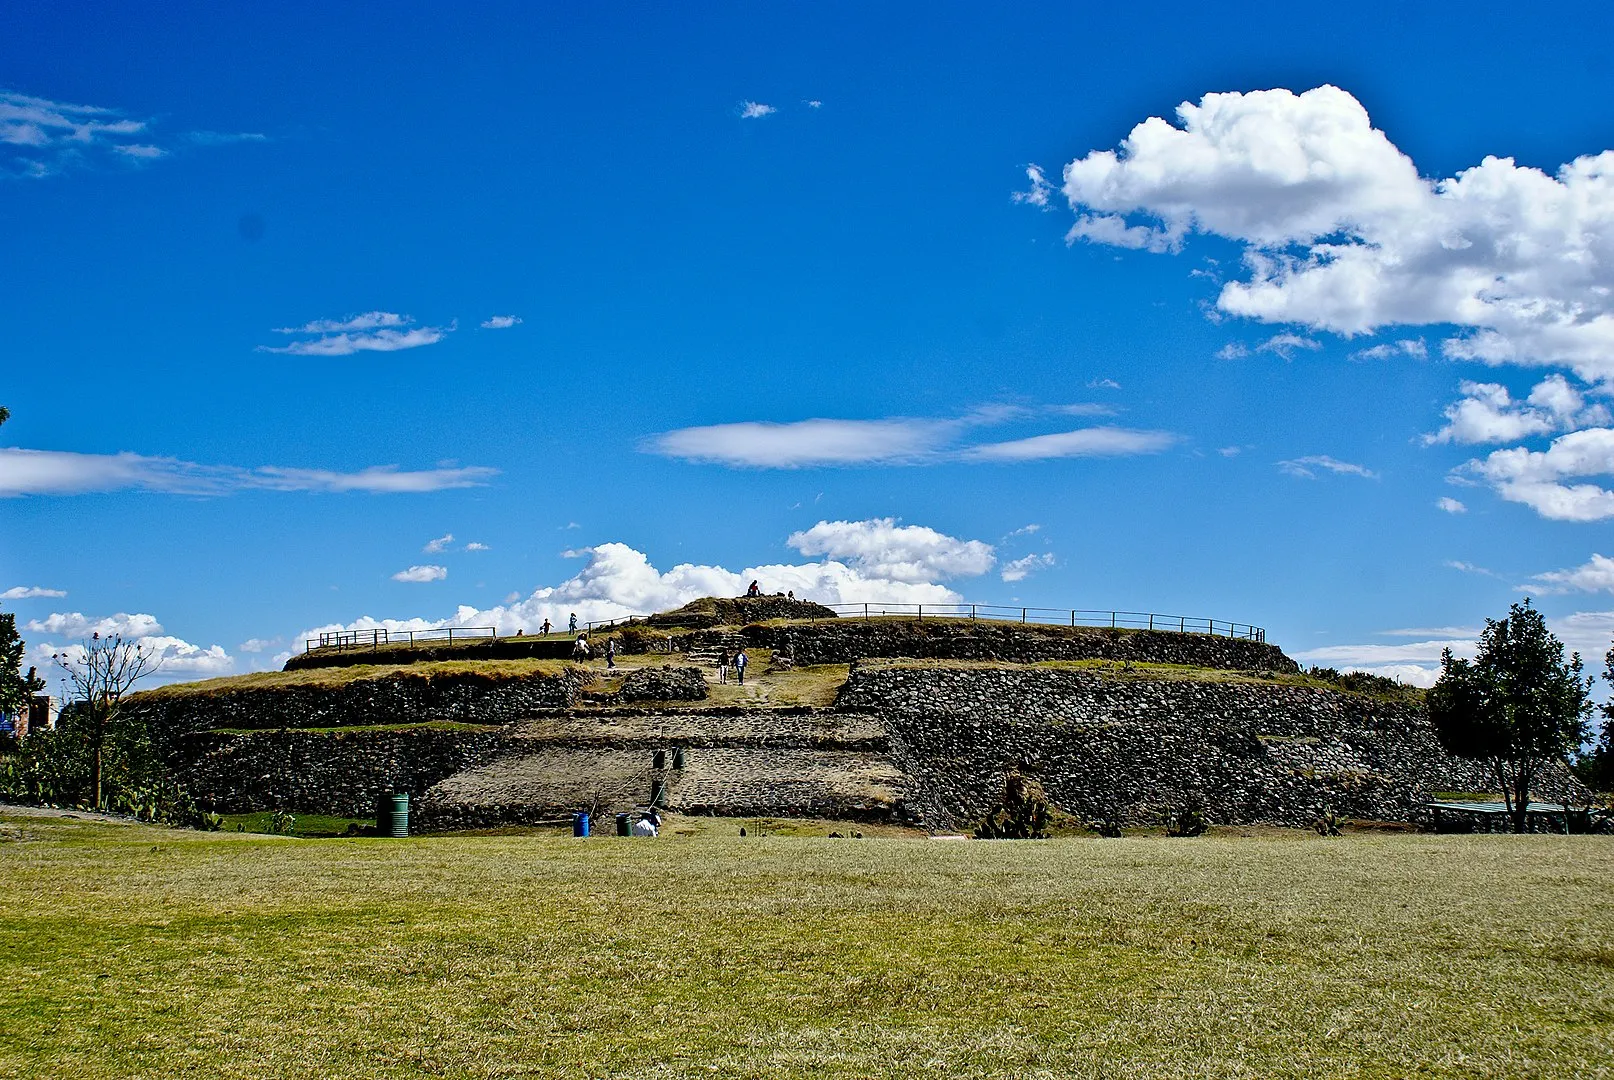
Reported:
(129, 951)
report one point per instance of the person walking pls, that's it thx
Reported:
(739, 665)
(722, 666)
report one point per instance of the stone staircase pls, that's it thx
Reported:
(707, 654)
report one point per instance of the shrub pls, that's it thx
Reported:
(1022, 813)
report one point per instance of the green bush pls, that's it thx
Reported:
(1022, 814)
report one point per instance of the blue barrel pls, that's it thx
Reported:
(580, 823)
(400, 814)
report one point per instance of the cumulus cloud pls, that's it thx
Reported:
(899, 440)
(1019, 569)
(434, 546)
(61, 472)
(500, 322)
(1487, 413)
(421, 574)
(1451, 505)
(755, 110)
(1537, 478)
(1340, 233)
(373, 331)
(28, 592)
(875, 561)
(883, 549)
(1306, 467)
(78, 625)
(1595, 575)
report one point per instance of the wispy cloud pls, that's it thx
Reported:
(1085, 442)
(373, 331)
(1285, 345)
(1413, 348)
(40, 137)
(29, 592)
(500, 322)
(755, 110)
(421, 574)
(59, 472)
(1019, 569)
(895, 441)
(1306, 467)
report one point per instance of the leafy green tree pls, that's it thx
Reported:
(1518, 705)
(15, 687)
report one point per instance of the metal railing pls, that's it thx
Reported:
(1115, 620)
(344, 640)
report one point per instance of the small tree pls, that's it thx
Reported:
(1518, 706)
(100, 672)
(15, 687)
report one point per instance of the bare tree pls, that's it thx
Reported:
(100, 672)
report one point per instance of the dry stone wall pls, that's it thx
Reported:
(841, 641)
(327, 772)
(1245, 752)
(403, 698)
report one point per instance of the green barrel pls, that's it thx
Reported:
(399, 823)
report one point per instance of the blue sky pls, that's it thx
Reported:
(292, 293)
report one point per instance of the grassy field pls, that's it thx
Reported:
(130, 951)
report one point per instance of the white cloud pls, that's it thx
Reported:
(421, 574)
(881, 548)
(805, 442)
(77, 625)
(1087, 442)
(1394, 350)
(1451, 505)
(1305, 467)
(1487, 413)
(475, 546)
(755, 110)
(1595, 575)
(434, 546)
(1536, 477)
(28, 592)
(1285, 344)
(1341, 234)
(370, 320)
(500, 322)
(376, 331)
(618, 580)
(1415, 662)
(1018, 569)
(1038, 193)
(898, 441)
(61, 472)
(40, 137)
